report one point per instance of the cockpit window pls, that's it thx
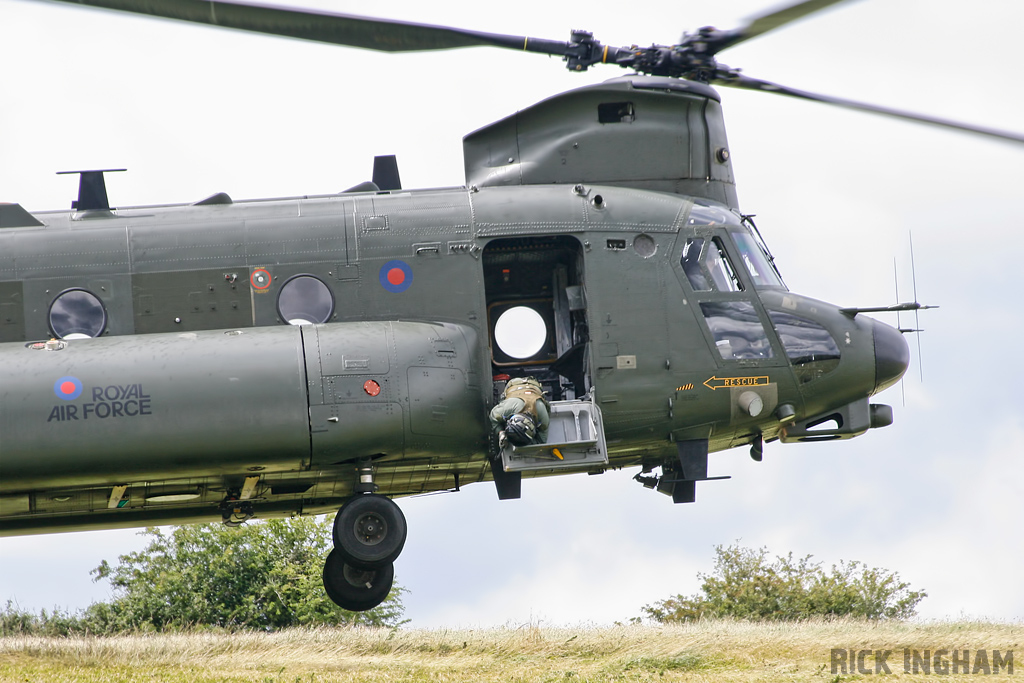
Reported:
(761, 270)
(809, 346)
(707, 266)
(702, 214)
(737, 330)
(691, 264)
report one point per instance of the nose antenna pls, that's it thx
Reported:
(915, 307)
(917, 322)
(899, 325)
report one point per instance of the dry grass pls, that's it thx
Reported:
(707, 651)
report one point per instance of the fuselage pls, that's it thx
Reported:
(664, 312)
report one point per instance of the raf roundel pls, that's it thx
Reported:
(396, 276)
(68, 388)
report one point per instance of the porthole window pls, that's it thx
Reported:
(305, 300)
(520, 332)
(77, 314)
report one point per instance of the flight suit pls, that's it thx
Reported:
(522, 395)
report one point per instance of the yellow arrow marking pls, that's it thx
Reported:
(723, 382)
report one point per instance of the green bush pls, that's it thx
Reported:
(263, 575)
(15, 621)
(746, 585)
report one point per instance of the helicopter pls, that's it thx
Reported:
(741, 393)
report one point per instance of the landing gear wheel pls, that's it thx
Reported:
(369, 531)
(356, 590)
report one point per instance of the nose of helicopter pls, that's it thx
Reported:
(892, 356)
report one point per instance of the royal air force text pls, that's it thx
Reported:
(113, 401)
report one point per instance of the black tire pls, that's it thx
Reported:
(369, 531)
(356, 590)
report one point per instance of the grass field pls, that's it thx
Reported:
(706, 651)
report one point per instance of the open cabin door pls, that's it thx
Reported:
(537, 321)
(575, 441)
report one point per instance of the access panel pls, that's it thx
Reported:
(392, 390)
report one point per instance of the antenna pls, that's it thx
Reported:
(915, 307)
(92, 190)
(917, 323)
(896, 278)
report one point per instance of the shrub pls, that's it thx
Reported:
(263, 575)
(746, 585)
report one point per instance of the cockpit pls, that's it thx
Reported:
(725, 257)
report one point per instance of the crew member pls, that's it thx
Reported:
(522, 415)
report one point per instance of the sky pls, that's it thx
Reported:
(937, 497)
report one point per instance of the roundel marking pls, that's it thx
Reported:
(396, 276)
(260, 278)
(68, 388)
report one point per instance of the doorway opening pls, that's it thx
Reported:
(536, 313)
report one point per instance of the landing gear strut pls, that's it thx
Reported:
(369, 534)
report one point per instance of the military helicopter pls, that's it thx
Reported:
(691, 346)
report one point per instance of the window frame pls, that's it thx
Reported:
(286, 320)
(748, 293)
(102, 307)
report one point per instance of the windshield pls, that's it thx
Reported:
(809, 346)
(737, 330)
(706, 214)
(757, 262)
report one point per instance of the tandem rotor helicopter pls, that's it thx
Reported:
(229, 359)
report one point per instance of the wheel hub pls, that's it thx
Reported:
(370, 528)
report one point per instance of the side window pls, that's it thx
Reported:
(737, 330)
(77, 314)
(305, 300)
(707, 266)
(691, 264)
(520, 332)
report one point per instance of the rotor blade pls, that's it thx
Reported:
(760, 25)
(733, 79)
(337, 29)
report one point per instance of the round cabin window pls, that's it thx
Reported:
(305, 300)
(77, 314)
(520, 332)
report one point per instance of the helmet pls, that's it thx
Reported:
(521, 429)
